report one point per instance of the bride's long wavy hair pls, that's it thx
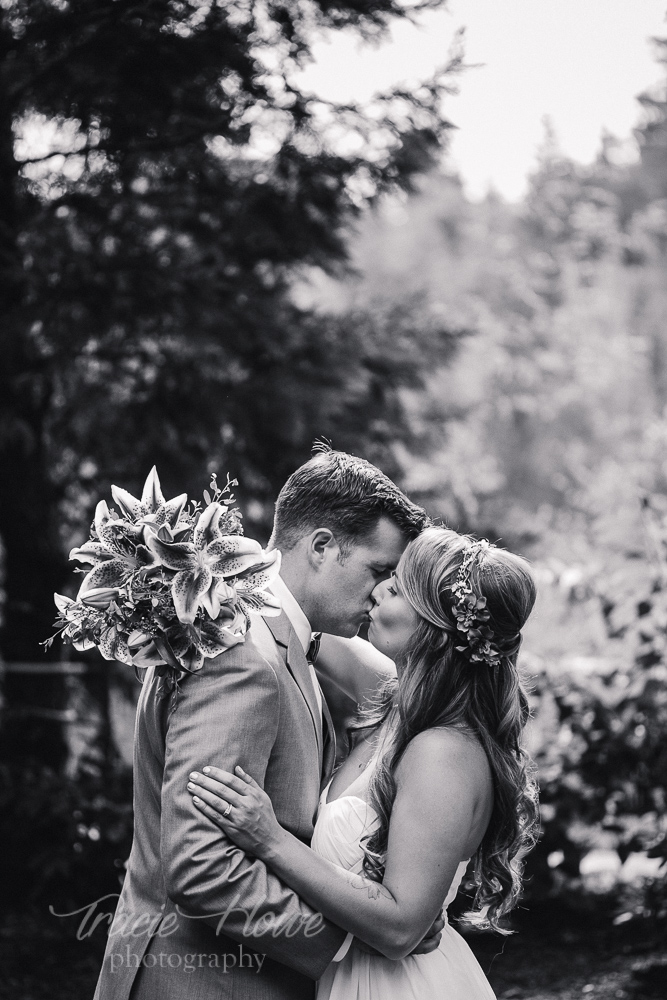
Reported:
(440, 686)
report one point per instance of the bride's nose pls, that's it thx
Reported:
(378, 593)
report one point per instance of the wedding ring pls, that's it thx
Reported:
(227, 810)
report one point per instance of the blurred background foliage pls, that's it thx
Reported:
(546, 431)
(163, 184)
(205, 268)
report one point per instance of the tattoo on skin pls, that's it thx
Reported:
(375, 890)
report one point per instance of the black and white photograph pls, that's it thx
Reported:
(333, 499)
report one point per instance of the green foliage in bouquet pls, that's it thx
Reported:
(171, 584)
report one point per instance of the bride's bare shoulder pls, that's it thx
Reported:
(445, 788)
(444, 749)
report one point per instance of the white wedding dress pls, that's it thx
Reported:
(449, 973)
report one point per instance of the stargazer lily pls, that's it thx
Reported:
(251, 592)
(119, 552)
(200, 565)
(207, 638)
(152, 508)
(69, 610)
(113, 645)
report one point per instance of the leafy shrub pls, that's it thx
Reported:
(65, 839)
(603, 758)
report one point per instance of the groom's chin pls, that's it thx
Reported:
(348, 631)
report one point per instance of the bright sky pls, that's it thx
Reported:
(581, 62)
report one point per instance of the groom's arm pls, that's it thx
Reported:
(229, 713)
(354, 666)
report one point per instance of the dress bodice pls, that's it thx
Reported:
(343, 824)
(450, 971)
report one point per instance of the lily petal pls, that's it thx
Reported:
(261, 577)
(170, 511)
(138, 638)
(235, 566)
(179, 639)
(102, 515)
(225, 593)
(112, 646)
(91, 553)
(184, 650)
(180, 556)
(212, 638)
(234, 545)
(83, 644)
(128, 504)
(120, 537)
(166, 650)
(186, 591)
(207, 529)
(193, 659)
(262, 602)
(151, 497)
(62, 603)
(182, 531)
(210, 601)
(112, 573)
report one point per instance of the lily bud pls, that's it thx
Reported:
(100, 597)
(138, 638)
(147, 656)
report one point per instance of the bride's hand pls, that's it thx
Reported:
(237, 804)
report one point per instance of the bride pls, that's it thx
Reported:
(436, 780)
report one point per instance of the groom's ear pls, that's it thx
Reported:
(322, 545)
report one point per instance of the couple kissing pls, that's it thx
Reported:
(337, 881)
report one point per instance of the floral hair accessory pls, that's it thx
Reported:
(170, 585)
(472, 614)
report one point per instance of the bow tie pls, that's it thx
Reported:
(314, 648)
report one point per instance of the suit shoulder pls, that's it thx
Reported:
(257, 657)
(259, 642)
(251, 665)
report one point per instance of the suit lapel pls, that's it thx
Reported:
(280, 628)
(329, 753)
(297, 665)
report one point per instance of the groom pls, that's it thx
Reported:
(198, 917)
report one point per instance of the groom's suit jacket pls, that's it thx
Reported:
(196, 913)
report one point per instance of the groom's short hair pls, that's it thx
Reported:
(344, 493)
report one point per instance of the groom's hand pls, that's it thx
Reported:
(431, 939)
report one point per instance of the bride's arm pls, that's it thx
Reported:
(354, 666)
(442, 792)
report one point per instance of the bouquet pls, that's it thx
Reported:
(171, 584)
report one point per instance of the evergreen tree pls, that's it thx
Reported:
(652, 132)
(147, 258)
